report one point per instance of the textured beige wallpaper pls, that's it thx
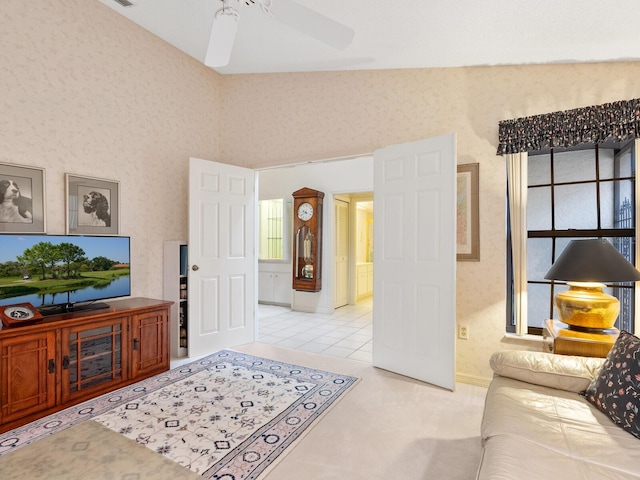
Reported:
(84, 91)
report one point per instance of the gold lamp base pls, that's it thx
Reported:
(586, 307)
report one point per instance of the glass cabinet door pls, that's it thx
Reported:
(92, 358)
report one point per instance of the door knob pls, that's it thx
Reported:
(195, 267)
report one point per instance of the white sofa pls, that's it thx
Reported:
(537, 425)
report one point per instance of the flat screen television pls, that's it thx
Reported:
(63, 272)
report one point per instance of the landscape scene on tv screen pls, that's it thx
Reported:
(47, 270)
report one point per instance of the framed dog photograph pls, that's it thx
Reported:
(93, 206)
(22, 208)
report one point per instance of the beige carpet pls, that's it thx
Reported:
(386, 427)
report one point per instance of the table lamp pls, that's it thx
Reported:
(584, 264)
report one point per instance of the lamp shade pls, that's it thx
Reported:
(592, 260)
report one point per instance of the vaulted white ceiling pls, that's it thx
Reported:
(405, 33)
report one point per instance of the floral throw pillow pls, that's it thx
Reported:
(616, 388)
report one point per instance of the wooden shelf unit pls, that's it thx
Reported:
(176, 289)
(68, 358)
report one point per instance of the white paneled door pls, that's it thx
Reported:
(415, 261)
(222, 275)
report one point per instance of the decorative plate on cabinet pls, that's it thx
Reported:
(19, 314)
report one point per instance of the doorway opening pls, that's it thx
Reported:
(353, 239)
(313, 322)
(348, 331)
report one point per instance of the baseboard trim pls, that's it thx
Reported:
(312, 309)
(473, 380)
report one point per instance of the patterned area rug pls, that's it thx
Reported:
(227, 416)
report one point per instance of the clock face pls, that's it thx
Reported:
(19, 312)
(305, 211)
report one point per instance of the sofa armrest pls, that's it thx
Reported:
(564, 372)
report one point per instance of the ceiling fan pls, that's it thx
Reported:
(289, 12)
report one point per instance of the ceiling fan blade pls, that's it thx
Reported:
(223, 35)
(312, 23)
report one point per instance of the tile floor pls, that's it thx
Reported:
(346, 333)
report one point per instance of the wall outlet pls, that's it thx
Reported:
(463, 332)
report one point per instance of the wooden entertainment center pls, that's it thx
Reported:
(67, 358)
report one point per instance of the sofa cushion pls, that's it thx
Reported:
(616, 388)
(511, 457)
(564, 372)
(560, 421)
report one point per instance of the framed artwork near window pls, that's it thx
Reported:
(468, 213)
(22, 208)
(93, 206)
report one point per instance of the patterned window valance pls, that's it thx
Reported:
(617, 121)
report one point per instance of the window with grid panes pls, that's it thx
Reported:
(271, 229)
(586, 193)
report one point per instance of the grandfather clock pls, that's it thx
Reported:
(307, 240)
